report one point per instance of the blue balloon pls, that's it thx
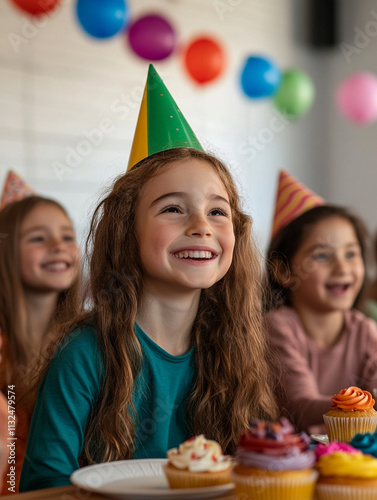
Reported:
(260, 77)
(102, 18)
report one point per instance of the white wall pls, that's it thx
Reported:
(60, 83)
(352, 161)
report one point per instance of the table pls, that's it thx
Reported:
(69, 493)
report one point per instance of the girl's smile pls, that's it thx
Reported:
(197, 255)
(57, 266)
(328, 268)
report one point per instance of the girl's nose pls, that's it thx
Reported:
(340, 264)
(199, 226)
(56, 244)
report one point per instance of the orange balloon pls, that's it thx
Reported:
(204, 59)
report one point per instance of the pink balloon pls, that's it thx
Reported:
(356, 98)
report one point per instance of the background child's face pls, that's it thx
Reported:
(49, 256)
(328, 269)
(184, 227)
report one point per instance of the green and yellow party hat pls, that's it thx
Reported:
(160, 125)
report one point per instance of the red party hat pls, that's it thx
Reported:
(292, 200)
(15, 188)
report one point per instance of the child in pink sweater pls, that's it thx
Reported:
(315, 273)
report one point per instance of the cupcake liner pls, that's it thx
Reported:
(272, 488)
(344, 429)
(178, 478)
(340, 492)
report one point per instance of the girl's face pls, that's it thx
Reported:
(49, 256)
(328, 269)
(184, 227)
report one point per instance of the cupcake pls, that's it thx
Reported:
(345, 473)
(325, 449)
(197, 463)
(274, 463)
(352, 413)
(367, 443)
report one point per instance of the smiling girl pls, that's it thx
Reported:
(173, 346)
(316, 270)
(39, 276)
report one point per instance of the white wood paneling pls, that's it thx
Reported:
(60, 85)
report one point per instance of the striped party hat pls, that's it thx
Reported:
(292, 200)
(161, 124)
(14, 189)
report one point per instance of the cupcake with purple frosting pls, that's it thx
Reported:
(274, 462)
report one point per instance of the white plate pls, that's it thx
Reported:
(139, 480)
(321, 438)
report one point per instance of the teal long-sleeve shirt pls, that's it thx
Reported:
(69, 390)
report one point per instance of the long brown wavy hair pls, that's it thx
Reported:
(232, 378)
(21, 355)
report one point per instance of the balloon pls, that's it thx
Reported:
(260, 77)
(36, 7)
(356, 98)
(152, 37)
(296, 93)
(204, 59)
(102, 18)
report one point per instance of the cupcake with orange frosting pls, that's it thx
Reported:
(197, 463)
(274, 463)
(345, 473)
(352, 413)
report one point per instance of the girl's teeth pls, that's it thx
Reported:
(194, 254)
(59, 266)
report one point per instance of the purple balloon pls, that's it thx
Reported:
(152, 37)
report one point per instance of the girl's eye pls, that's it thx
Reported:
(68, 238)
(172, 210)
(321, 256)
(352, 254)
(219, 211)
(36, 239)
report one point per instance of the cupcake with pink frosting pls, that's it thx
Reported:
(352, 413)
(345, 473)
(274, 462)
(197, 463)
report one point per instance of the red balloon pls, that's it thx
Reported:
(204, 59)
(36, 7)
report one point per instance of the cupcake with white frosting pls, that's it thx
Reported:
(197, 463)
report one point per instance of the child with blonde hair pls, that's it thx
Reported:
(173, 346)
(39, 276)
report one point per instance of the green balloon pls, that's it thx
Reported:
(295, 94)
